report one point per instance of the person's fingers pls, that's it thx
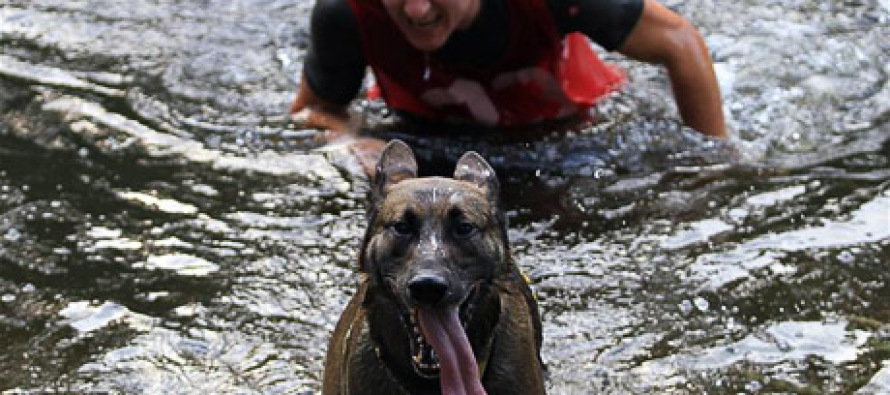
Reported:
(367, 151)
(333, 136)
(300, 117)
(332, 127)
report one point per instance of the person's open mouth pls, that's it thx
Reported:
(427, 23)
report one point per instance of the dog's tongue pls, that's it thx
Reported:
(458, 373)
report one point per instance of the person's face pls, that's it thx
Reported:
(427, 24)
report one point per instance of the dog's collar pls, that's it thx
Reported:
(482, 362)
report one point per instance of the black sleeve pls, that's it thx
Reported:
(606, 22)
(334, 65)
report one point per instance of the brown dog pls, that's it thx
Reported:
(441, 306)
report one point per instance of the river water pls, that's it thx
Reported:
(164, 229)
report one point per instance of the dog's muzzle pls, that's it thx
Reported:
(429, 295)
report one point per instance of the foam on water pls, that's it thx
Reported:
(182, 264)
(87, 317)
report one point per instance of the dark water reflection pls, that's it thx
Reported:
(164, 230)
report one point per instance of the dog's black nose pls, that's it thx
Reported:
(427, 289)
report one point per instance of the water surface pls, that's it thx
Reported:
(164, 229)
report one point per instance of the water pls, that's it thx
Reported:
(164, 230)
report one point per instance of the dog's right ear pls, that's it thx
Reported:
(396, 164)
(471, 167)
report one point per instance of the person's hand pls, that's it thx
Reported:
(335, 129)
(332, 127)
(310, 111)
(367, 151)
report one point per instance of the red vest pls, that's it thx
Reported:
(539, 77)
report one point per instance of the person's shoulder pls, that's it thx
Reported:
(332, 10)
(335, 4)
(607, 22)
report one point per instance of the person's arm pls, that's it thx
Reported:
(663, 37)
(333, 70)
(314, 112)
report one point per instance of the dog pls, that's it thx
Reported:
(441, 307)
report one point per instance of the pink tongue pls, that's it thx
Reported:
(458, 373)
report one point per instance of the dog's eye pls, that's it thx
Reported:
(465, 229)
(402, 228)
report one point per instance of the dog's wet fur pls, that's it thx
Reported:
(441, 306)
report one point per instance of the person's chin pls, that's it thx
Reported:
(427, 46)
(427, 41)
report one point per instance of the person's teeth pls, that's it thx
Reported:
(424, 22)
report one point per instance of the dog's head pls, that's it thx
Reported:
(434, 244)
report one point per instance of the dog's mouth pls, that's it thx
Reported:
(438, 335)
(426, 361)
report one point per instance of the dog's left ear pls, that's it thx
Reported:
(472, 168)
(395, 165)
